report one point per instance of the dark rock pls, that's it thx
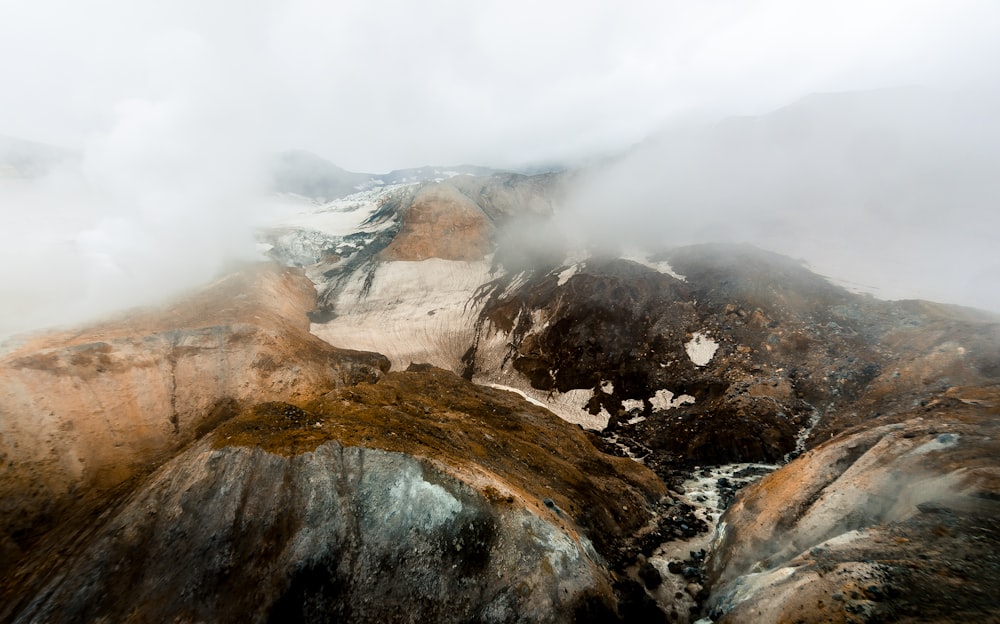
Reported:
(650, 576)
(635, 605)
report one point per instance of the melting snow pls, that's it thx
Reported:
(339, 217)
(631, 404)
(392, 317)
(568, 273)
(664, 400)
(701, 349)
(520, 393)
(662, 266)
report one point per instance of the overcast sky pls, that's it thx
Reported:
(381, 84)
(175, 104)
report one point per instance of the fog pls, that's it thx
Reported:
(891, 192)
(170, 113)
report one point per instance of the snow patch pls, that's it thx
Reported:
(630, 404)
(519, 280)
(567, 273)
(520, 393)
(390, 315)
(657, 265)
(569, 406)
(664, 400)
(701, 348)
(340, 217)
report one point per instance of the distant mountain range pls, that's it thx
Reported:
(307, 174)
(294, 171)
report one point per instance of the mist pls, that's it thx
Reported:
(154, 205)
(154, 126)
(890, 192)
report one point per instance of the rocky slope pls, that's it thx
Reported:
(680, 358)
(82, 412)
(417, 498)
(890, 522)
(225, 464)
(236, 466)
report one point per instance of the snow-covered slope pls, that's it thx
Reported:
(413, 311)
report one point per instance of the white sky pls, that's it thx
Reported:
(381, 84)
(175, 104)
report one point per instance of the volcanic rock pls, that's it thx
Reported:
(887, 522)
(417, 498)
(82, 412)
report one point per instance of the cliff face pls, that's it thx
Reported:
(82, 412)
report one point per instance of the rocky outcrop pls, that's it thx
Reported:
(83, 412)
(889, 522)
(418, 498)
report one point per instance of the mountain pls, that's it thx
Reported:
(306, 174)
(435, 404)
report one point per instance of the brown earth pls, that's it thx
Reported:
(84, 411)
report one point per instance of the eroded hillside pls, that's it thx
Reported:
(230, 460)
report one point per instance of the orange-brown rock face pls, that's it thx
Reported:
(442, 223)
(84, 411)
(889, 522)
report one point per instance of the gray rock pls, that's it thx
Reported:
(337, 534)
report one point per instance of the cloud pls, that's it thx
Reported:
(381, 84)
(174, 106)
(165, 197)
(891, 189)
